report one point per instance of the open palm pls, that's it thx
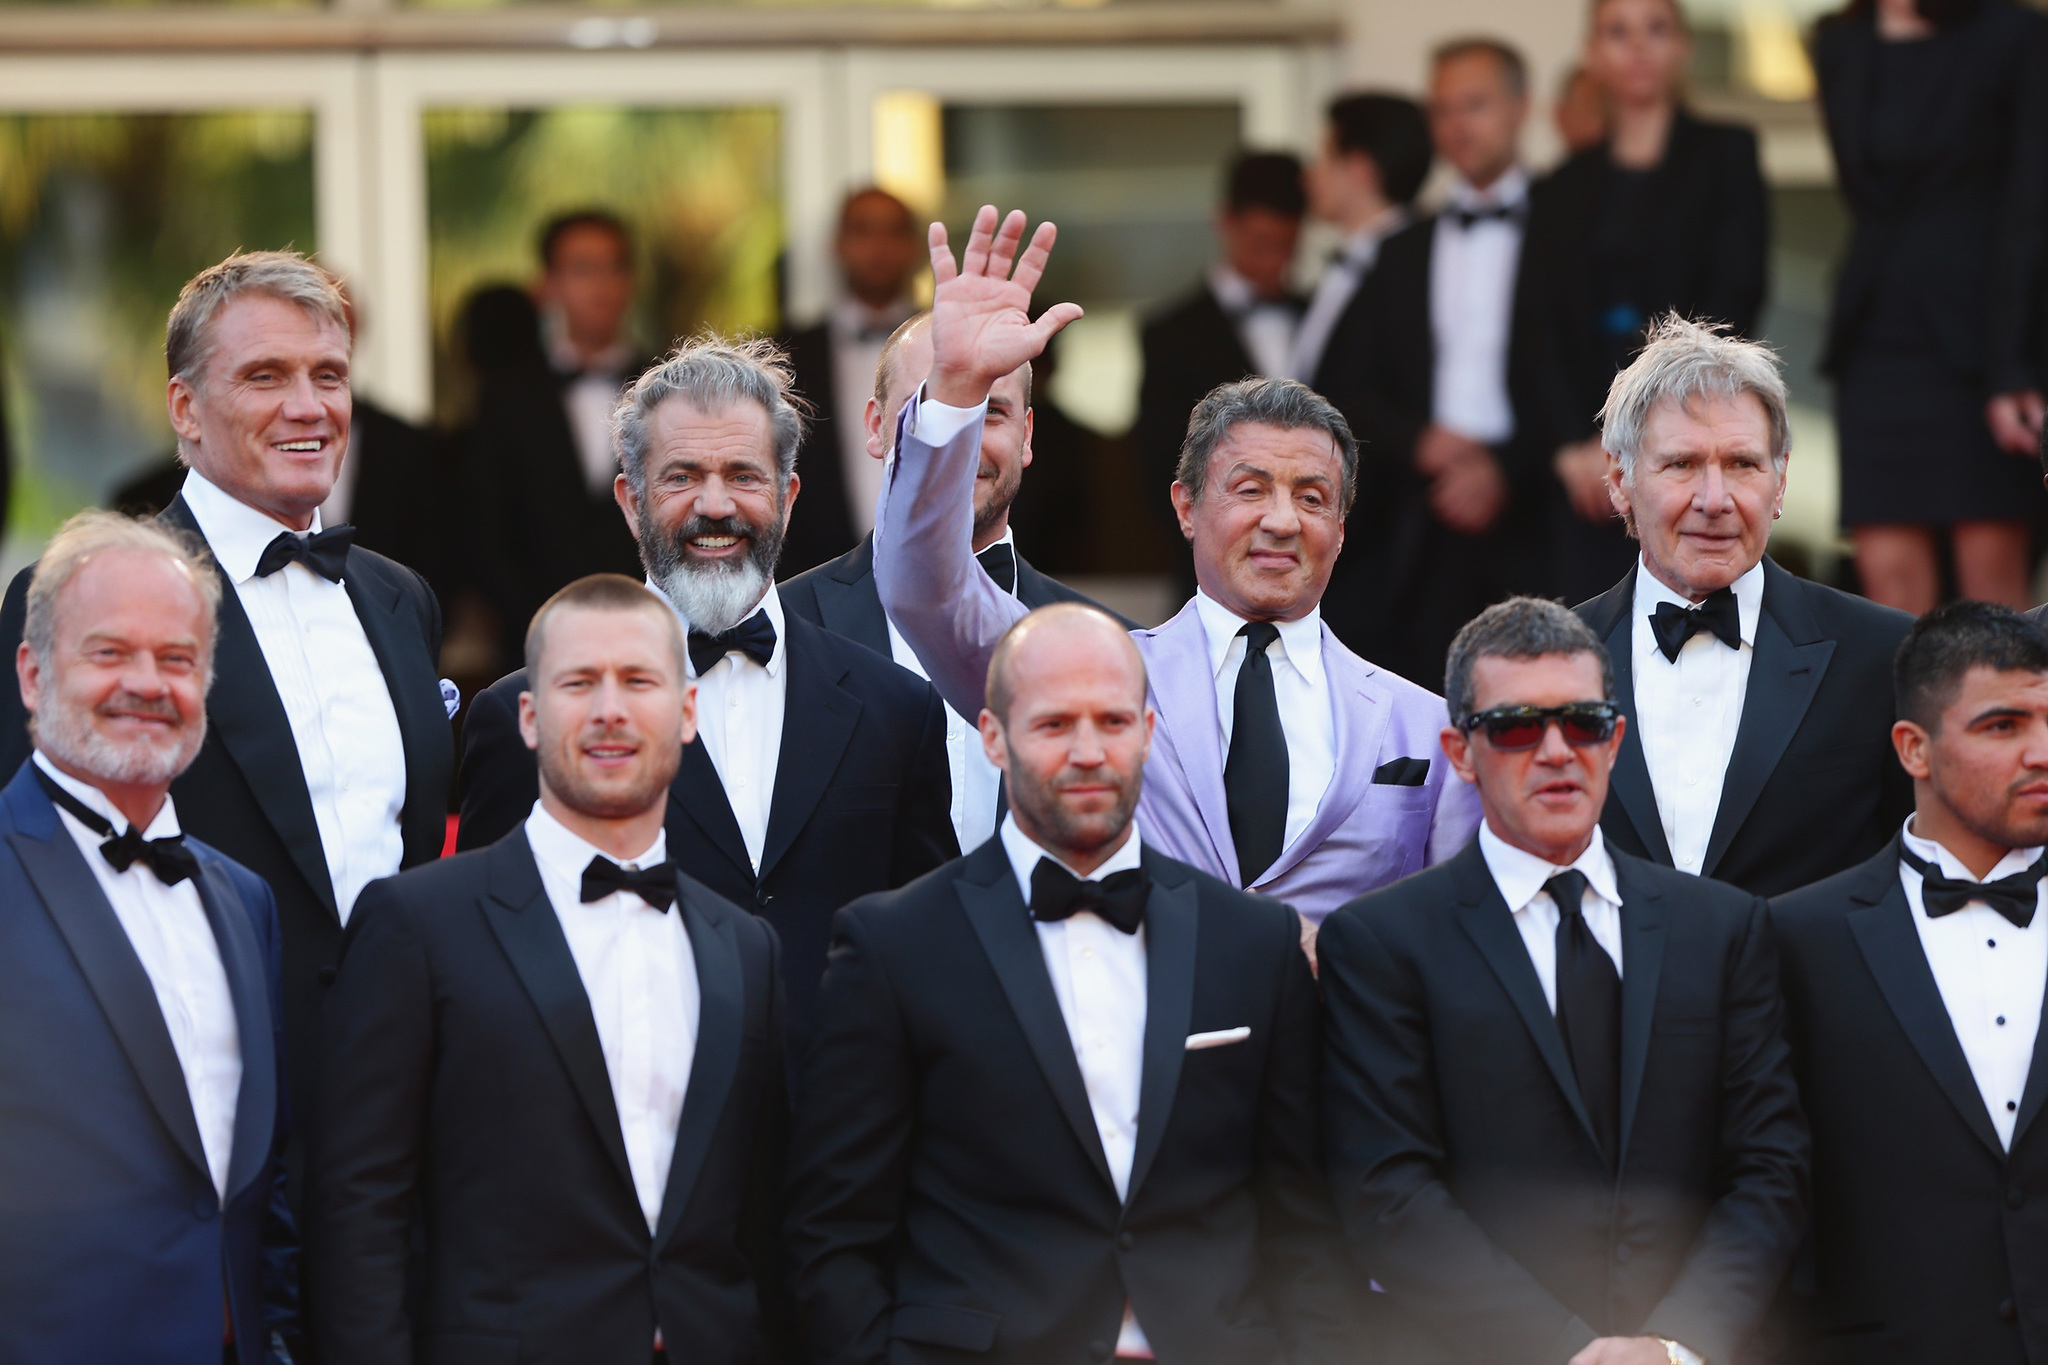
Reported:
(981, 307)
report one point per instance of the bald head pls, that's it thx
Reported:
(1057, 642)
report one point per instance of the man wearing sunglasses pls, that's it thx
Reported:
(1558, 1111)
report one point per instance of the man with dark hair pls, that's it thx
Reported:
(1432, 366)
(1061, 1105)
(1239, 322)
(879, 255)
(1914, 990)
(1558, 1106)
(538, 462)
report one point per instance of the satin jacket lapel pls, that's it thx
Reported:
(1789, 662)
(996, 909)
(1172, 922)
(409, 678)
(1614, 621)
(1491, 926)
(1883, 928)
(1184, 695)
(700, 796)
(242, 956)
(72, 897)
(721, 1018)
(818, 720)
(520, 914)
(851, 604)
(246, 713)
(1644, 918)
(1358, 706)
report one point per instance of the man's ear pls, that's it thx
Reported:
(1911, 743)
(28, 675)
(1457, 747)
(629, 506)
(529, 723)
(993, 745)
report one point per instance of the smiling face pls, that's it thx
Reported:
(1702, 493)
(1544, 800)
(267, 420)
(1268, 526)
(122, 699)
(1984, 766)
(1637, 50)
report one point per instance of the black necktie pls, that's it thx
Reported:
(1496, 213)
(655, 884)
(1000, 560)
(1673, 625)
(1255, 773)
(1588, 1010)
(753, 637)
(1057, 894)
(2015, 897)
(324, 552)
(168, 858)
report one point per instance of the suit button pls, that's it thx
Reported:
(1124, 1241)
(1621, 1254)
(761, 897)
(2015, 1199)
(325, 976)
(205, 1207)
(2006, 1310)
(1098, 1350)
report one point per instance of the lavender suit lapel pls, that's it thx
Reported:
(1361, 710)
(1184, 695)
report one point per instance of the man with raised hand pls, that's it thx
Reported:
(1284, 763)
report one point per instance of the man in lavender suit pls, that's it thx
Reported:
(1282, 762)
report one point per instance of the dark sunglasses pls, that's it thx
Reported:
(1523, 727)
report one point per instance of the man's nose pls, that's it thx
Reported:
(1713, 494)
(142, 678)
(1279, 518)
(714, 499)
(1555, 750)
(302, 400)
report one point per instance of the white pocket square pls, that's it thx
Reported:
(1222, 1037)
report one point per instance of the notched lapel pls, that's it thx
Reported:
(249, 984)
(700, 795)
(721, 1020)
(1630, 779)
(409, 676)
(818, 720)
(1172, 923)
(849, 603)
(1183, 693)
(1644, 924)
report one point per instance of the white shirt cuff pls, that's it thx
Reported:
(936, 423)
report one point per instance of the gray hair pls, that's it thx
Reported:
(1282, 403)
(93, 533)
(711, 373)
(1683, 361)
(286, 275)
(1519, 628)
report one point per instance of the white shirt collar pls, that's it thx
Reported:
(235, 532)
(1025, 852)
(2015, 860)
(1301, 641)
(565, 853)
(771, 603)
(1235, 292)
(1511, 189)
(1365, 242)
(1749, 596)
(165, 825)
(1520, 875)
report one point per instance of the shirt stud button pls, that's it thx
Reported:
(2001, 1019)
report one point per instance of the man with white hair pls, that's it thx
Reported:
(1758, 749)
(141, 1195)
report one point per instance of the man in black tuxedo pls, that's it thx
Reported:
(819, 769)
(1760, 706)
(1559, 1108)
(328, 754)
(1433, 367)
(841, 595)
(1061, 1100)
(879, 252)
(1913, 986)
(557, 1062)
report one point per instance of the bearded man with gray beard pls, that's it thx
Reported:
(819, 769)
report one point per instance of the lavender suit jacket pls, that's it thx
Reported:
(1365, 833)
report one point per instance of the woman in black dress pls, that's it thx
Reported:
(1938, 113)
(1667, 212)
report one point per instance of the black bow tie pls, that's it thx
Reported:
(324, 552)
(168, 858)
(655, 884)
(1057, 894)
(1495, 213)
(2014, 897)
(753, 637)
(1673, 625)
(1000, 560)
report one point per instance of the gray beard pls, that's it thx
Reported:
(713, 600)
(68, 735)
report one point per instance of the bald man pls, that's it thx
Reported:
(1067, 1071)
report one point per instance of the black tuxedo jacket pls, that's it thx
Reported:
(1189, 347)
(1465, 1169)
(949, 1192)
(863, 797)
(467, 1112)
(246, 795)
(841, 596)
(1813, 785)
(405, 504)
(822, 525)
(1930, 1240)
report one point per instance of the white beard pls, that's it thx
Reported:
(68, 734)
(715, 600)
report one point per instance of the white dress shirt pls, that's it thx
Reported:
(588, 401)
(1990, 974)
(640, 974)
(1471, 310)
(168, 928)
(333, 689)
(1354, 261)
(858, 334)
(1521, 877)
(1098, 974)
(1688, 712)
(739, 719)
(1299, 685)
(1265, 327)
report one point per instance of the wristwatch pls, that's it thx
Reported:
(1680, 1355)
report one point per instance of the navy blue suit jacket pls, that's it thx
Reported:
(115, 1246)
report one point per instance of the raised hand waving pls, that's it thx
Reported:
(981, 307)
